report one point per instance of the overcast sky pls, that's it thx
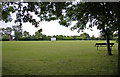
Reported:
(50, 28)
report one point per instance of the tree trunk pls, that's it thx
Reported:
(17, 38)
(108, 42)
(106, 34)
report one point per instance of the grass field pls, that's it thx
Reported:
(57, 58)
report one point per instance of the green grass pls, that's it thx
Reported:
(57, 58)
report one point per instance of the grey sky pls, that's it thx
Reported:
(50, 28)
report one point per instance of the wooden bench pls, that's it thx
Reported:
(103, 45)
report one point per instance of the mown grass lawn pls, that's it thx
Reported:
(57, 58)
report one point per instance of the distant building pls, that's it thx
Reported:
(53, 39)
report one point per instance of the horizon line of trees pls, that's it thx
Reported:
(25, 36)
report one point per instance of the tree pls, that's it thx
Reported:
(44, 37)
(9, 30)
(45, 10)
(84, 36)
(109, 20)
(59, 37)
(93, 37)
(26, 34)
(5, 37)
(2, 30)
(103, 35)
(6, 31)
(77, 37)
(98, 14)
(17, 31)
(38, 35)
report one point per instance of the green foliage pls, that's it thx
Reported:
(38, 35)
(68, 38)
(26, 34)
(85, 36)
(103, 35)
(9, 30)
(17, 31)
(6, 31)
(5, 37)
(99, 14)
(93, 37)
(46, 11)
(102, 14)
(18, 35)
(77, 38)
(6, 14)
(59, 37)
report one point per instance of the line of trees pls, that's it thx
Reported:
(6, 32)
(24, 36)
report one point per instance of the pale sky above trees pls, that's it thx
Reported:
(50, 28)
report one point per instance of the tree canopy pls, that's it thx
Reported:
(46, 11)
(85, 36)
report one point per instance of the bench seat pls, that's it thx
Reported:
(103, 45)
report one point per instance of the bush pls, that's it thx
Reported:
(5, 38)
